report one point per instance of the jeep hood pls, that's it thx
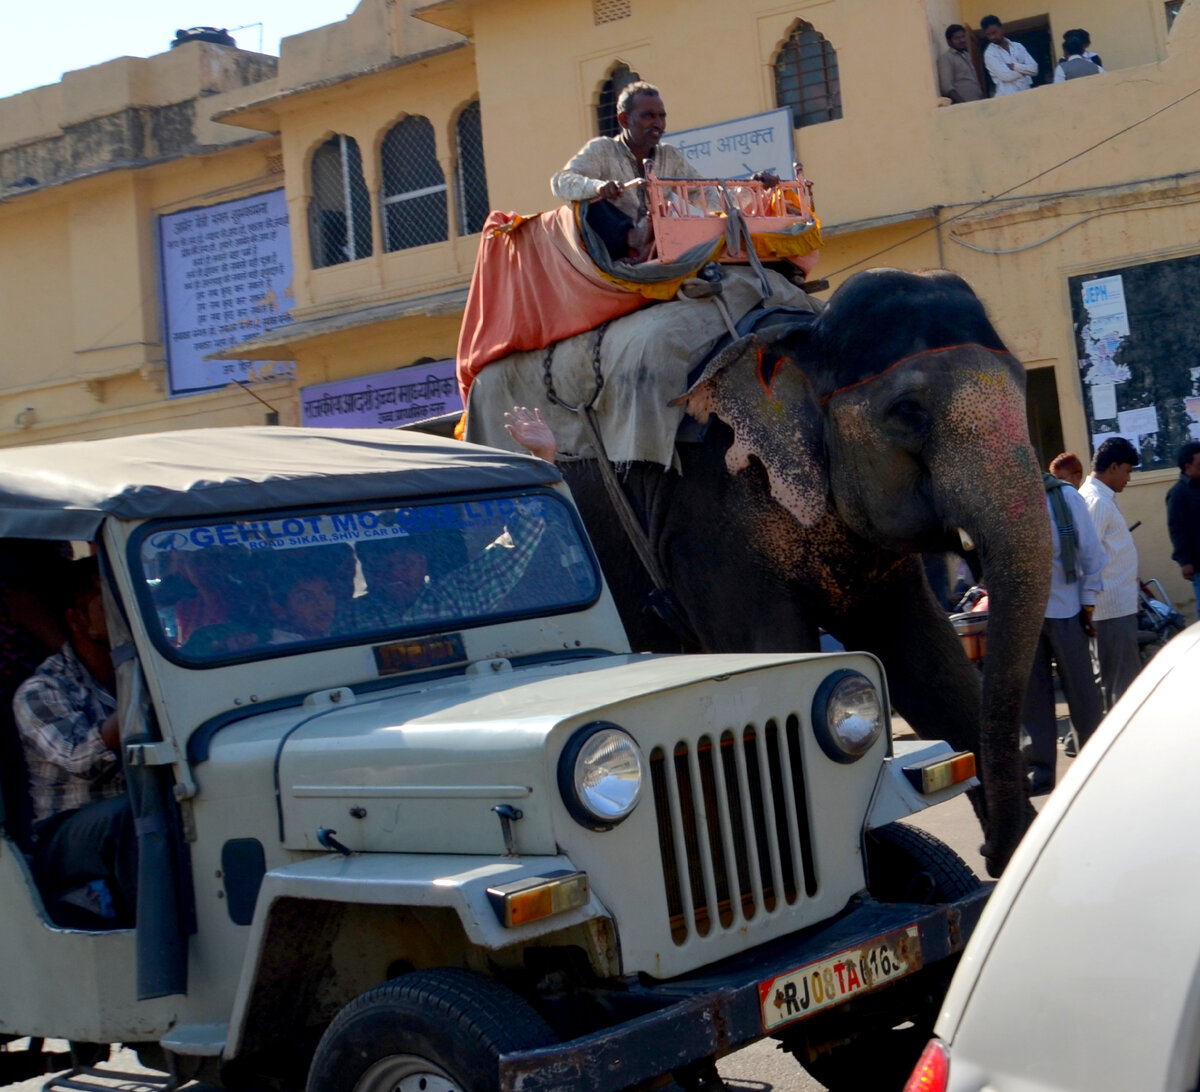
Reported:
(422, 769)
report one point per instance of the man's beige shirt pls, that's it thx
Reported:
(956, 72)
(605, 159)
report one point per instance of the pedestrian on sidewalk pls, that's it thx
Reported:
(1117, 602)
(1074, 583)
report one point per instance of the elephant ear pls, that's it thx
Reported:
(760, 392)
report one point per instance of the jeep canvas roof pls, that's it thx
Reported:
(65, 491)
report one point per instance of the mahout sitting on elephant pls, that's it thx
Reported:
(837, 448)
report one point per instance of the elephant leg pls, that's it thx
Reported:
(931, 682)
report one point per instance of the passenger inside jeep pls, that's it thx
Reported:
(312, 590)
(224, 604)
(29, 632)
(84, 841)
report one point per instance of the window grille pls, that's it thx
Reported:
(470, 174)
(340, 210)
(609, 11)
(619, 77)
(806, 77)
(414, 187)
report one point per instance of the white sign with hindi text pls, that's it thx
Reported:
(739, 148)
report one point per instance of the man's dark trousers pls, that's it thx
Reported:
(96, 842)
(1064, 641)
(1120, 660)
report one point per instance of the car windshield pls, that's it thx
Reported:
(269, 584)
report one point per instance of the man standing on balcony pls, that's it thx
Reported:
(1008, 63)
(957, 79)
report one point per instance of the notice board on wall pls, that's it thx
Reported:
(1137, 340)
(226, 276)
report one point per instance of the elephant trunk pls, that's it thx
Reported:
(1000, 500)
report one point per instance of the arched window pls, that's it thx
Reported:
(470, 174)
(806, 77)
(339, 214)
(619, 77)
(414, 188)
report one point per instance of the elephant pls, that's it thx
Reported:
(838, 448)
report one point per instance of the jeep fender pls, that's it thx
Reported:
(326, 929)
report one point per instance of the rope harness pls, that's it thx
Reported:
(661, 600)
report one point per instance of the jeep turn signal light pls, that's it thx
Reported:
(940, 773)
(536, 897)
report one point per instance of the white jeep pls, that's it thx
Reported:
(446, 831)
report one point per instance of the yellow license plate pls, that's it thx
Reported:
(829, 982)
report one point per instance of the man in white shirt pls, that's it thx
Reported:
(1008, 63)
(1117, 602)
(1067, 625)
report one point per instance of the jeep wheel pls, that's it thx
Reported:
(429, 1031)
(871, 1048)
(906, 864)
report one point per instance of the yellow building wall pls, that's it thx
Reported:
(900, 180)
(80, 308)
(436, 89)
(81, 351)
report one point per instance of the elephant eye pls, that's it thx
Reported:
(909, 412)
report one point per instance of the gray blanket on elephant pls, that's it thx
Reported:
(645, 358)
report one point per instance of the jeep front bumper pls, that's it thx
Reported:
(764, 992)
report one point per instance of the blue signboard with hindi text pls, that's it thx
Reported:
(404, 396)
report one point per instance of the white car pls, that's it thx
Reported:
(1084, 971)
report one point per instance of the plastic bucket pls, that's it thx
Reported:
(972, 631)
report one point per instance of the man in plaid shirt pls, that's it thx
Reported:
(401, 588)
(66, 717)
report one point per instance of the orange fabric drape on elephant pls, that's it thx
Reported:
(533, 284)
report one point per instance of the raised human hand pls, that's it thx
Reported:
(527, 427)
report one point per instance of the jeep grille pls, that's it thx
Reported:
(733, 826)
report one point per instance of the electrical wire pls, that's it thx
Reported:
(1070, 227)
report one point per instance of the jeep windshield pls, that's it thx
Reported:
(268, 584)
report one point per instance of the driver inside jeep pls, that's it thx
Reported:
(85, 845)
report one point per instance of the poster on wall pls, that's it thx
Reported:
(739, 148)
(1137, 339)
(226, 276)
(404, 396)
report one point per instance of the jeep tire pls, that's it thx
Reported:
(439, 1030)
(851, 1050)
(907, 864)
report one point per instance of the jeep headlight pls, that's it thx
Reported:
(600, 775)
(847, 715)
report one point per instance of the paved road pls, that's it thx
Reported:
(762, 1067)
